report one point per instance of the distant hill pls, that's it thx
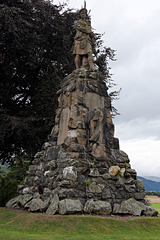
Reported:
(152, 178)
(150, 185)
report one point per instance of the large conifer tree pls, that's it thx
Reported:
(35, 54)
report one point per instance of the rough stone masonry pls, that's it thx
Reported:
(81, 170)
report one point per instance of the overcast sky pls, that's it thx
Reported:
(132, 28)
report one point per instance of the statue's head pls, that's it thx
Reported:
(83, 13)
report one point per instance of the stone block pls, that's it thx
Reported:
(46, 191)
(20, 187)
(70, 173)
(72, 134)
(93, 99)
(150, 211)
(119, 156)
(25, 199)
(35, 205)
(48, 173)
(113, 170)
(89, 206)
(81, 136)
(67, 206)
(115, 144)
(75, 148)
(39, 154)
(52, 164)
(130, 188)
(55, 131)
(122, 172)
(54, 206)
(70, 193)
(74, 155)
(81, 178)
(13, 203)
(26, 190)
(130, 206)
(52, 153)
(139, 195)
(106, 176)
(120, 182)
(102, 208)
(93, 188)
(45, 205)
(131, 171)
(63, 125)
(106, 194)
(46, 145)
(129, 181)
(139, 184)
(94, 172)
(52, 138)
(34, 168)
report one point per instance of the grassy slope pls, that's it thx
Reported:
(156, 206)
(18, 226)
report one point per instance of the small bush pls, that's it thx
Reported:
(10, 181)
(147, 202)
(88, 182)
(126, 165)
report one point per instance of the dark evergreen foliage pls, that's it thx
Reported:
(35, 54)
(10, 180)
(150, 193)
(35, 44)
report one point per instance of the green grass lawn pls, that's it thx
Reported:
(27, 226)
(156, 206)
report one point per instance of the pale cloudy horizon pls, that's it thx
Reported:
(132, 29)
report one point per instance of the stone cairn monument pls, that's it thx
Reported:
(81, 170)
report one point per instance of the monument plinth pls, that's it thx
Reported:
(81, 168)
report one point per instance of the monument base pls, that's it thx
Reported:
(81, 168)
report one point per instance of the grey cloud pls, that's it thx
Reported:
(138, 129)
(144, 155)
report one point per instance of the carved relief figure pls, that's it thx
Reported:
(96, 140)
(82, 48)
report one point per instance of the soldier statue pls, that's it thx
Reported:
(82, 48)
